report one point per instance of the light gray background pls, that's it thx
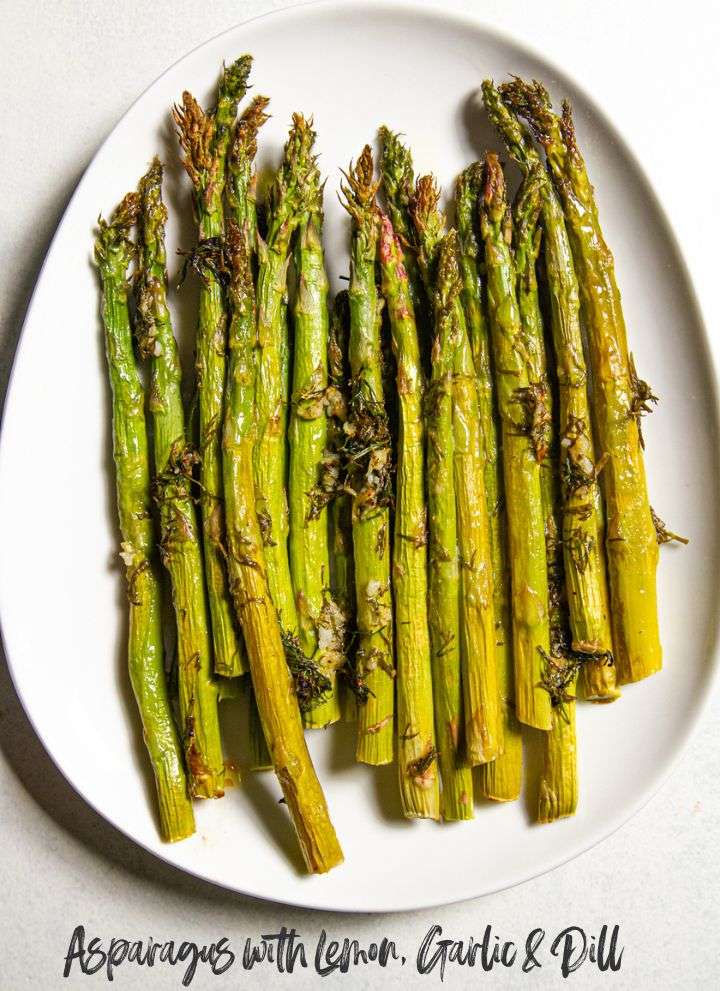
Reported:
(68, 71)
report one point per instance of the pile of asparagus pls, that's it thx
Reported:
(421, 507)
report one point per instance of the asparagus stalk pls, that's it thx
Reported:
(287, 199)
(271, 677)
(398, 181)
(342, 569)
(369, 457)
(582, 524)
(419, 790)
(204, 138)
(500, 779)
(179, 540)
(444, 600)
(620, 396)
(483, 727)
(113, 254)
(558, 782)
(537, 400)
(318, 616)
(241, 197)
(526, 521)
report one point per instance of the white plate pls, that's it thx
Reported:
(354, 66)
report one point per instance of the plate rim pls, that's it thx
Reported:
(710, 676)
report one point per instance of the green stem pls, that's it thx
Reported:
(113, 253)
(419, 791)
(444, 598)
(526, 520)
(483, 727)
(500, 779)
(272, 681)
(205, 139)
(179, 541)
(370, 461)
(286, 206)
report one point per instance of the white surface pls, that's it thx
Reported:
(670, 846)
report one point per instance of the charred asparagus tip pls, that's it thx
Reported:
(360, 188)
(245, 141)
(494, 195)
(426, 199)
(531, 101)
(195, 131)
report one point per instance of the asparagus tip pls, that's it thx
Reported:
(424, 209)
(149, 191)
(234, 81)
(396, 156)
(360, 186)
(112, 239)
(532, 101)
(246, 131)
(195, 131)
(494, 195)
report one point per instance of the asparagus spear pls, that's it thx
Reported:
(500, 779)
(419, 791)
(179, 541)
(318, 616)
(342, 570)
(526, 529)
(483, 727)
(113, 254)
(537, 400)
(271, 677)
(444, 600)
(620, 396)
(582, 523)
(398, 181)
(241, 196)
(369, 456)
(286, 205)
(558, 783)
(204, 138)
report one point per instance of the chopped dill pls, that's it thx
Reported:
(311, 685)
(537, 424)
(665, 536)
(641, 398)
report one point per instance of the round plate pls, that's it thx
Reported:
(61, 592)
